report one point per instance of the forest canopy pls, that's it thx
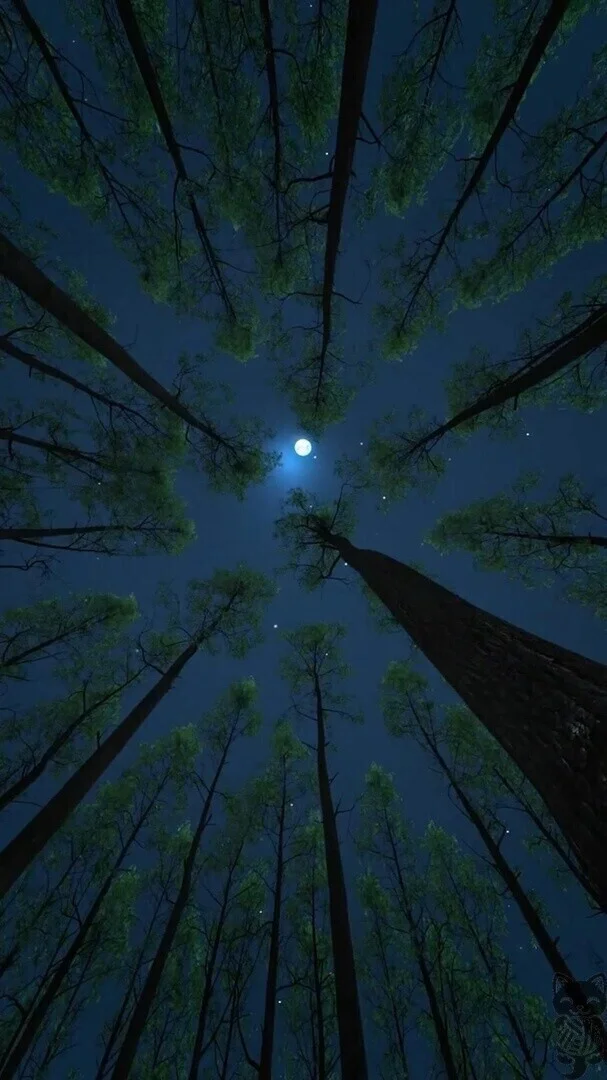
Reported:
(303, 760)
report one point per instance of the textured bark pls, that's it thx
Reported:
(349, 1020)
(19, 854)
(545, 705)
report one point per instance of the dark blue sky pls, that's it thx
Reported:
(560, 441)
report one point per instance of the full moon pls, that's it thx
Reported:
(303, 447)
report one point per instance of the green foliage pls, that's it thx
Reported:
(539, 543)
(301, 528)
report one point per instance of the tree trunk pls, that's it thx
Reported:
(545, 705)
(33, 363)
(19, 854)
(527, 909)
(24, 782)
(349, 1020)
(21, 657)
(573, 346)
(269, 1016)
(38, 1013)
(118, 1022)
(126, 1054)
(546, 31)
(74, 530)
(209, 981)
(29, 279)
(554, 842)
(153, 90)
(438, 1020)
(360, 31)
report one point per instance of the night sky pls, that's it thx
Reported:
(559, 440)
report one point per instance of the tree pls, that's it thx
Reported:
(310, 991)
(59, 732)
(309, 669)
(233, 718)
(409, 316)
(271, 797)
(408, 708)
(108, 828)
(227, 607)
(558, 362)
(437, 923)
(557, 738)
(25, 276)
(60, 630)
(420, 122)
(541, 542)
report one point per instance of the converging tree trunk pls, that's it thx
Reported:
(29, 1030)
(349, 1019)
(23, 849)
(145, 1000)
(546, 705)
(546, 943)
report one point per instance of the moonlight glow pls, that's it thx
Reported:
(303, 447)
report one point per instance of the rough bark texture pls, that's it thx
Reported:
(546, 705)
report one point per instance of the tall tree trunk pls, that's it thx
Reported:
(360, 30)
(549, 539)
(27, 779)
(119, 1018)
(545, 33)
(33, 363)
(438, 1019)
(79, 628)
(269, 1015)
(550, 360)
(529, 912)
(545, 705)
(321, 1048)
(153, 90)
(550, 838)
(74, 530)
(33, 838)
(209, 979)
(40, 1010)
(126, 1054)
(29, 279)
(349, 1020)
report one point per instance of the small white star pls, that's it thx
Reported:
(361, 444)
(383, 496)
(527, 433)
(276, 626)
